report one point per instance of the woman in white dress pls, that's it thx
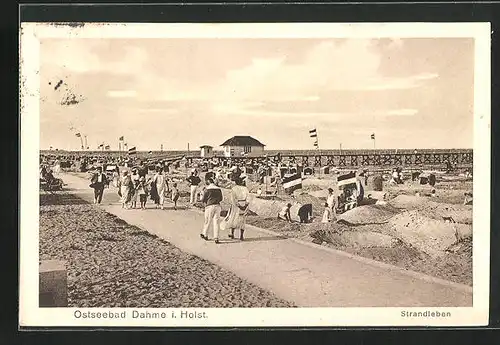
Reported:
(161, 184)
(116, 178)
(237, 214)
(124, 189)
(329, 213)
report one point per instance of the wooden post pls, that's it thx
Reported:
(53, 288)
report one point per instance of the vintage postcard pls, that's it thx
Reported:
(254, 175)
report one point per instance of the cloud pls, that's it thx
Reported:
(311, 98)
(328, 66)
(94, 55)
(159, 110)
(396, 43)
(253, 109)
(403, 112)
(121, 93)
(426, 76)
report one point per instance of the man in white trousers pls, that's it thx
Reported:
(193, 181)
(212, 198)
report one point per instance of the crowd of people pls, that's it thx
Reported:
(136, 184)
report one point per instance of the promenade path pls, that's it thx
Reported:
(305, 274)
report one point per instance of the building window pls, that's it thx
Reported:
(247, 149)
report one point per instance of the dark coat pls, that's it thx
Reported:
(95, 184)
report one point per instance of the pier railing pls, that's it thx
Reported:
(462, 159)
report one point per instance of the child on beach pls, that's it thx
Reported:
(175, 195)
(141, 191)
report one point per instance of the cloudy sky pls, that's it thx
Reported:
(412, 93)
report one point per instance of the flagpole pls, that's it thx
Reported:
(317, 140)
(318, 150)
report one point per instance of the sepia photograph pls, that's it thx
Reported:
(254, 174)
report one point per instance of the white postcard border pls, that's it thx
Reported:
(31, 315)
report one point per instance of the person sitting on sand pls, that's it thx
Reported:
(43, 172)
(305, 213)
(49, 176)
(284, 214)
(467, 198)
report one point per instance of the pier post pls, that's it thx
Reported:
(53, 288)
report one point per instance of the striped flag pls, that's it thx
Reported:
(373, 136)
(313, 133)
(106, 147)
(78, 135)
(132, 151)
(121, 138)
(100, 146)
(150, 152)
(349, 178)
(292, 182)
(316, 143)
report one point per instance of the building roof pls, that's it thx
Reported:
(242, 140)
(205, 146)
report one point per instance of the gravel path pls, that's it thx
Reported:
(113, 264)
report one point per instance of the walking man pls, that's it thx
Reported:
(98, 182)
(194, 181)
(212, 198)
